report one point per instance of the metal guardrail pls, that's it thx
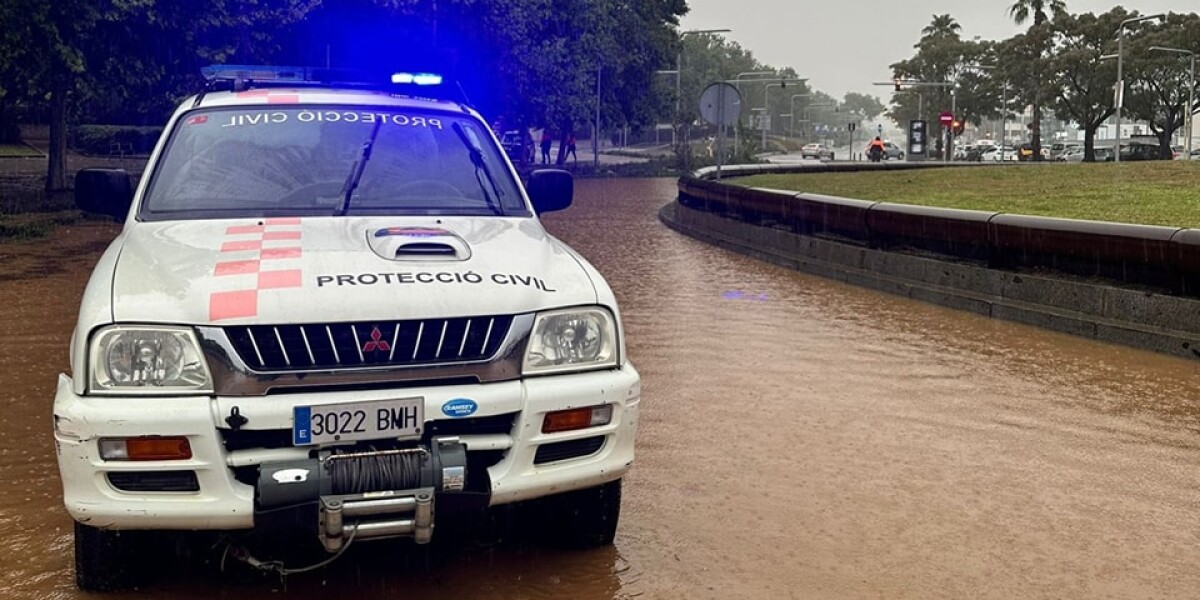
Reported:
(1160, 259)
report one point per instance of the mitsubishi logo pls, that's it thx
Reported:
(376, 342)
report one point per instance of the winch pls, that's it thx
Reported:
(371, 494)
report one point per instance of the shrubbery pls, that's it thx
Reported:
(115, 139)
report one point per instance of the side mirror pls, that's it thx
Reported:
(104, 191)
(550, 189)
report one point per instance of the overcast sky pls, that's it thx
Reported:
(847, 45)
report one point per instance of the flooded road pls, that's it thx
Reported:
(800, 438)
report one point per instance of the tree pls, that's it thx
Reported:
(1158, 93)
(1034, 48)
(1084, 92)
(942, 26)
(125, 53)
(1021, 10)
(868, 106)
(943, 57)
(524, 62)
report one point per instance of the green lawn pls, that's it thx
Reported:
(1153, 193)
(20, 150)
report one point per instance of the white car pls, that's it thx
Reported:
(999, 154)
(335, 308)
(819, 151)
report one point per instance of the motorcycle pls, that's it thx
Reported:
(875, 153)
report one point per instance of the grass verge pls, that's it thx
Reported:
(28, 226)
(1152, 193)
(19, 151)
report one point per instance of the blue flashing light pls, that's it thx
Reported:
(417, 78)
(242, 77)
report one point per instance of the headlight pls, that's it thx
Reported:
(149, 360)
(571, 340)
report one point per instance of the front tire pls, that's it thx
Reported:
(588, 518)
(108, 560)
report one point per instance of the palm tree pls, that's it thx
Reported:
(1021, 10)
(941, 26)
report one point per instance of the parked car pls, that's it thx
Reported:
(999, 153)
(1058, 149)
(1025, 152)
(892, 152)
(1073, 155)
(1137, 151)
(518, 148)
(817, 150)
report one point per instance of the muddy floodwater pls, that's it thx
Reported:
(800, 438)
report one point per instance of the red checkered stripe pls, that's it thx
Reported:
(269, 96)
(254, 259)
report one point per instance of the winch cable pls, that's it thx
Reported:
(276, 566)
(357, 475)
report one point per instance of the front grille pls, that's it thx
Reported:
(369, 343)
(572, 449)
(154, 481)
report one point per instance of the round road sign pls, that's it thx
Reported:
(720, 104)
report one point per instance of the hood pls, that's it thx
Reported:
(337, 269)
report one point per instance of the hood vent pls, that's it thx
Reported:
(425, 249)
(418, 244)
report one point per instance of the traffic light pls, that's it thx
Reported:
(958, 127)
(897, 82)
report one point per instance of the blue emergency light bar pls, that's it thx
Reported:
(417, 78)
(243, 77)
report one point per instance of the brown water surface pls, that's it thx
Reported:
(799, 438)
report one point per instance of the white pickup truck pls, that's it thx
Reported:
(332, 307)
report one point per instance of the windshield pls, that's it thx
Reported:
(302, 161)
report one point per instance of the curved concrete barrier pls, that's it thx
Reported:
(1133, 284)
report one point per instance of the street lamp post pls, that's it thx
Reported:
(1191, 94)
(792, 106)
(766, 95)
(1120, 93)
(737, 83)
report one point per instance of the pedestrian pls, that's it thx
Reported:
(571, 147)
(546, 141)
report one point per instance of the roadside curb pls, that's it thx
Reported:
(1109, 313)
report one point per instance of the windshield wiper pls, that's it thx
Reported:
(356, 171)
(481, 166)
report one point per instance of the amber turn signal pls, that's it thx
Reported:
(146, 448)
(577, 418)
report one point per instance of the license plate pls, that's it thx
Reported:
(382, 419)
